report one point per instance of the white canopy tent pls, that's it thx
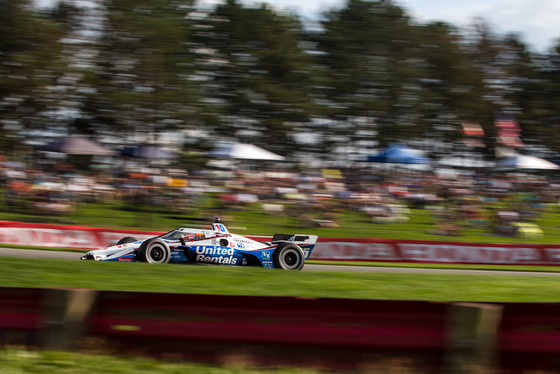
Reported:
(245, 152)
(518, 161)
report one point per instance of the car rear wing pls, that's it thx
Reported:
(306, 242)
(296, 239)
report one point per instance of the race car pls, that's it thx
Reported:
(217, 246)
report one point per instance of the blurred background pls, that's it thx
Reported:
(112, 112)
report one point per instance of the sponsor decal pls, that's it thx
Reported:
(178, 256)
(552, 255)
(450, 253)
(215, 255)
(124, 260)
(357, 251)
(195, 236)
(204, 250)
(266, 255)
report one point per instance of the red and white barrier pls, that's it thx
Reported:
(282, 330)
(435, 252)
(45, 235)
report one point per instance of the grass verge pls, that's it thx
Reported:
(15, 272)
(14, 361)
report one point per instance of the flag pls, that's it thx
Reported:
(472, 129)
(506, 123)
(508, 130)
(472, 132)
(475, 143)
(511, 141)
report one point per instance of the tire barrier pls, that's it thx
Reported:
(329, 332)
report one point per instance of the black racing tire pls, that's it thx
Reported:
(126, 240)
(289, 257)
(154, 251)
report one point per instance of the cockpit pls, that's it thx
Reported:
(182, 235)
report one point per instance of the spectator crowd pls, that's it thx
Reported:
(316, 197)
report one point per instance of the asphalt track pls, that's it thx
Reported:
(32, 253)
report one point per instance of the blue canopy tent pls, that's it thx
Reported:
(146, 151)
(399, 154)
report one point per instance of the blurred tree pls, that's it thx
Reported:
(539, 97)
(82, 29)
(30, 64)
(416, 82)
(365, 76)
(371, 72)
(450, 87)
(506, 67)
(142, 73)
(257, 74)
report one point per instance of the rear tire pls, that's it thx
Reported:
(289, 257)
(126, 240)
(154, 251)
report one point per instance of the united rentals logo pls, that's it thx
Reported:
(215, 255)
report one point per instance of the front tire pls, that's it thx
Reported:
(154, 251)
(289, 257)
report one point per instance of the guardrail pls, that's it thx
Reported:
(337, 333)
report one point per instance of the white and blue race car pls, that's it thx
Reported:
(217, 246)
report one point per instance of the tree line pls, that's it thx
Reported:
(356, 78)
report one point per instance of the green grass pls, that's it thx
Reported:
(263, 282)
(252, 220)
(14, 361)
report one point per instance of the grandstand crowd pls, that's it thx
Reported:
(317, 197)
